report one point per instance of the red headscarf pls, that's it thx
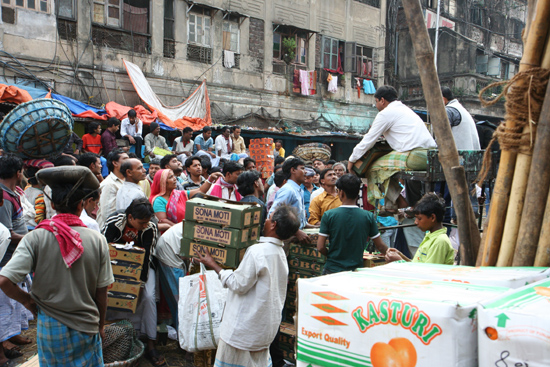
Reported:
(175, 209)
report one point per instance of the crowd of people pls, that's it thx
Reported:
(107, 189)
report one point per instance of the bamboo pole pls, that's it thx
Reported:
(524, 246)
(542, 257)
(448, 155)
(536, 39)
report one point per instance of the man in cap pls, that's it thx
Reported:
(64, 255)
(154, 140)
(308, 188)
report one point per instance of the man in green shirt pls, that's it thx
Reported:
(348, 228)
(436, 247)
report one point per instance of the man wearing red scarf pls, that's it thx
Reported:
(226, 186)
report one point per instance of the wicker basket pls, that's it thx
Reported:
(309, 152)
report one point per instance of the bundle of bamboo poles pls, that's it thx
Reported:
(518, 230)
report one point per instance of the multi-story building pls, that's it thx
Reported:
(479, 42)
(77, 47)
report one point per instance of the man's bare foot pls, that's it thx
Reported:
(20, 340)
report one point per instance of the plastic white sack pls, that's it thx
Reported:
(200, 309)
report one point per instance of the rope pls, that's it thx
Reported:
(524, 95)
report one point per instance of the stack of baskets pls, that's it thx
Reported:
(309, 152)
(262, 151)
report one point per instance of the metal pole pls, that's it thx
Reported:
(437, 32)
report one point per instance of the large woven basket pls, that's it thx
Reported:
(309, 152)
(121, 347)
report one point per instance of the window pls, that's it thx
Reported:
(375, 3)
(131, 15)
(364, 61)
(107, 12)
(476, 15)
(302, 43)
(331, 52)
(169, 19)
(493, 67)
(38, 5)
(198, 31)
(482, 64)
(65, 9)
(517, 28)
(231, 36)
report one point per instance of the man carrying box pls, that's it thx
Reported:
(257, 294)
(72, 270)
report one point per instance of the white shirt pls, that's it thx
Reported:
(257, 294)
(5, 239)
(126, 128)
(225, 192)
(180, 148)
(127, 193)
(107, 201)
(89, 221)
(316, 193)
(168, 246)
(402, 128)
(221, 146)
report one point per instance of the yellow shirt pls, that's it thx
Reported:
(238, 145)
(281, 151)
(145, 187)
(320, 204)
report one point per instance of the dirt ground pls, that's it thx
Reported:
(172, 353)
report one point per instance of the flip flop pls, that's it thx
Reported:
(13, 353)
(155, 358)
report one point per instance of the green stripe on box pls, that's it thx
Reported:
(517, 298)
(321, 362)
(330, 350)
(327, 356)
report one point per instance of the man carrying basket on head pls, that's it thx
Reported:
(409, 139)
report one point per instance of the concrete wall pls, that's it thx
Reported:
(95, 73)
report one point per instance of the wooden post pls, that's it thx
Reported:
(536, 40)
(448, 155)
(542, 257)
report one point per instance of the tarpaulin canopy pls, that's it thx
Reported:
(13, 94)
(193, 112)
(120, 112)
(80, 109)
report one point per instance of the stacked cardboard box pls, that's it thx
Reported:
(287, 341)
(372, 260)
(262, 151)
(224, 228)
(127, 264)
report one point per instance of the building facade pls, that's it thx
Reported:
(479, 43)
(247, 50)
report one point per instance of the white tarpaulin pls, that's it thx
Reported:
(193, 112)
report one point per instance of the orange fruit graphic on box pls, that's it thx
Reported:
(399, 352)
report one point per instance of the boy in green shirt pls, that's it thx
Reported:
(349, 228)
(436, 247)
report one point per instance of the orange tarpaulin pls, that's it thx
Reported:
(10, 93)
(120, 112)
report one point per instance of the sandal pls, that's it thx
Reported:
(13, 353)
(155, 358)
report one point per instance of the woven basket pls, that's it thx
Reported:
(309, 152)
(121, 347)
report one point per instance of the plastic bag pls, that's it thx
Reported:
(200, 309)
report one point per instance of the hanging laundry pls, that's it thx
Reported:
(304, 82)
(358, 86)
(312, 82)
(296, 88)
(332, 83)
(228, 59)
(368, 87)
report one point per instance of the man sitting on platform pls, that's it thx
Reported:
(131, 130)
(154, 140)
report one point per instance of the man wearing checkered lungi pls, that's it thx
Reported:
(72, 272)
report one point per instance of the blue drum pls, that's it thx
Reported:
(37, 129)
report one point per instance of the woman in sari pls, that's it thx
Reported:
(169, 203)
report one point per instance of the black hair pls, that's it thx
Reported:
(113, 121)
(30, 173)
(317, 172)
(387, 92)
(87, 159)
(324, 173)
(206, 128)
(114, 155)
(279, 178)
(140, 208)
(235, 127)
(279, 141)
(189, 161)
(166, 159)
(429, 204)
(223, 129)
(186, 130)
(350, 185)
(64, 160)
(92, 127)
(288, 221)
(447, 93)
(290, 164)
(132, 155)
(248, 160)
(231, 167)
(331, 161)
(91, 194)
(132, 113)
(318, 159)
(64, 200)
(155, 161)
(245, 182)
(126, 166)
(279, 166)
(278, 160)
(214, 169)
(206, 164)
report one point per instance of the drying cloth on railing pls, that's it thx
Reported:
(332, 83)
(308, 82)
(368, 87)
(193, 112)
(228, 59)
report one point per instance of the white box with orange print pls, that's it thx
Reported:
(361, 319)
(514, 330)
(511, 277)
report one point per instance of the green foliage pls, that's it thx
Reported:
(289, 50)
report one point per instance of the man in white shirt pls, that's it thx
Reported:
(224, 144)
(89, 204)
(404, 131)
(130, 129)
(462, 123)
(110, 186)
(133, 172)
(257, 291)
(183, 145)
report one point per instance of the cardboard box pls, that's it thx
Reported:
(304, 265)
(361, 319)
(511, 277)
(126, 270)
(229, 256)
(255, 234)
(122, 285)
(215, 235)
(223, 213)
(122, 302)
(133, 255)
(370, 260)
(514, 329)
(303, 251)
